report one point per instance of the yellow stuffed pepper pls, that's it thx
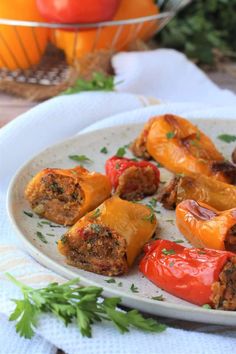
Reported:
(108, 239)
(64, 196)
(205, 226)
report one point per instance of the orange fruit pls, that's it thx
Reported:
(21, 47)
(75, 45)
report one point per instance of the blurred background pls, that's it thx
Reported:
(43, 52)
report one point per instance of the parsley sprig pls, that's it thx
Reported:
(99, 82)
(71, 303)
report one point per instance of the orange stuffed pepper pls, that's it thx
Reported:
(217, 194)
(205, 226)
(107, 240)
(64, 196)
(182, 148)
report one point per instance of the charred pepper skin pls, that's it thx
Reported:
(188, 273)
(205, 226)
(182, 148)
(219, 195)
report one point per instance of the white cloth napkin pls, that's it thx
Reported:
(44, 125)
(167, 75)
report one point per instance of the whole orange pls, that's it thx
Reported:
(78, 44)
(21, 47)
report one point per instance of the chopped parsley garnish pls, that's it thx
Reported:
(121, 152)
(120, 284)
(153, 202)
(171, 264)
(56, 188)
(95, 227)
(28, 213)
(41, 237)
(110, 281)
(104, 150)
(50, 235)
(39, 224)
(168, 252)
(227, 138)
(117, 166)
(45, 222)
(178, 241)
(80, 158)
(150, 217)
(158, 298)
(159, 165)
(170, 135)
(96, 213)
(206, 306)
(134, 289)
(49, 224)
(63, 239)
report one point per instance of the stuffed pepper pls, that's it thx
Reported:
(63, 196)
(182, 148)
(205, 226)
(107, 240)
(217, 194)
(198, 275)
(132, 180)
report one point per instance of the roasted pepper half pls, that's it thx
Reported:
(205, 226)
(182, 148)
(132, 180)
(200, 276)
(63, 196)
(108, 239)
(220, 195)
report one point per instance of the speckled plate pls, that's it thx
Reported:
(45, 251)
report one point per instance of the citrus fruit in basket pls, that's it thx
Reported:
(21, 47)
(75, 45)
(77, 11)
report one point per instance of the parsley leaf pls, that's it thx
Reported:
(99, 82)
(170, 135)
(227, 138)
(167, 252)
(96, 213)
(134, 289)
(71, 303)
(41, 237)
(29, 214)
(80, 158)
(104, 150)
(121, 152)
(111, 281)
(158, 298)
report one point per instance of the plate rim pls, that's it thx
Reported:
(59, 269)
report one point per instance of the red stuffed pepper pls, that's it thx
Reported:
(198, 275)
(132, 180)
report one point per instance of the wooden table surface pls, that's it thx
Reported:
(11, 107)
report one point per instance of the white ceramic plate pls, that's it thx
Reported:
(46, 253)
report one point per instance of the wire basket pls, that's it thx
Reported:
(48, 66)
